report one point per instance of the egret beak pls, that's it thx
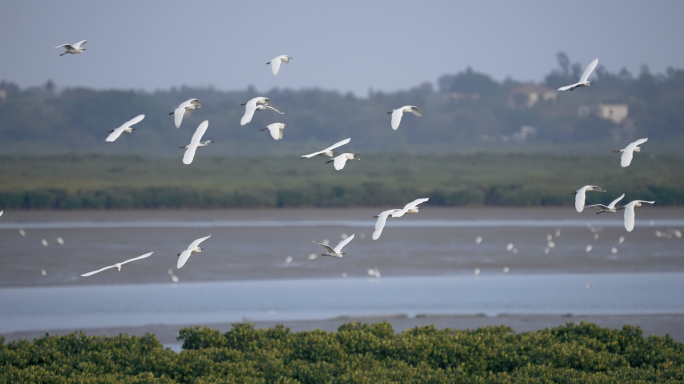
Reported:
(573, 193)
(180, 148)
(263, 129)
(389, 113)
(616, 151)
(243, 104)
(171, 113)
(268, 63)
(111, 130)
(375, 216)
(329, 161)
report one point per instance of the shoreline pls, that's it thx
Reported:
(655, 324)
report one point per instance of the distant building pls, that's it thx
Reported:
(529, 95)
(617, 113)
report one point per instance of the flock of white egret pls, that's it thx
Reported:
(339, 161)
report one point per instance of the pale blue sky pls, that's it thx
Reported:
(342, 45)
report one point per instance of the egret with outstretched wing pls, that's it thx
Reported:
(328, 152)
(411, 207)
(118, 265)
(337, 251)
(584, 79)
(179, 112)
(126, 127)
(398, 113)
(192, 248)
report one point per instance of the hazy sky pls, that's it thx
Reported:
(343, 45)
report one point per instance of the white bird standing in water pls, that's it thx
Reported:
(117, 265)
(192, 248)
(398, 113)
(276, 130)
(195, 142)
(411, 207)
(580, 196)
(275, 63)
(328, 152)
(341, 160)
(629, 213)
(256, 104)
(180, 111)
(337, 251)
(72, 48)
(380, 224)
(126, 127)
(610, 208)
(628, 152)
(584, 79)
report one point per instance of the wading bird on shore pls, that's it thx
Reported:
(195, 142)
(580, 196)
(628, 152)
(192, 248)
(72, 48)
(256, 104)
(629, 213)
(411, 207)
(341, 160)
(337, 251)
(398, 113)
(275, 63)
(276, 130)
(179, 112)
(117, 265)
(126, 127)
(610, 208)
(584, 80)
(328, 152)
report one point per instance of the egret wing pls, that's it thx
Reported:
(612, 203)
(415, 203)
(178, 115)
(416, 111)
(133, 121)
(197, 242)
(275, 65)
(380, 224)
(597, 205)
(340, 161)
(137, 258)
(280, 132)
(67, 46)
(588, 71)
(396, 118)
(638, 142)
(327, 248)
(629, 216)
(275, 131)
(580, 198)
(115, 134)
(250, 108)
(342, 243)
(78, 45)
(183, 258)
(189, 154)
(330, 148)
(626, 158)
(98, 271)
(567, 87)
(269, 107)
(199, 132)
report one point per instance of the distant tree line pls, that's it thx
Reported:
(356, 353)
(465, 110)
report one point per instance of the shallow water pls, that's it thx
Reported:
(310, 299)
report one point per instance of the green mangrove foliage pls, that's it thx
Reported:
(356, 353)
(96, 181)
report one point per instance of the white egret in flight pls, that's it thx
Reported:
(192, 248)
(337, 251)
(584, 79)
(126, 127)
(180, 111)
(72, 48)
(580, 196)
(610, 208)
(411, 207)
(276, 130)
(628, 152)
(629, 213)
(328, 152)
(275, 63)
(118, 265)
(380, 224)
(195, 142)
(341, 160)
(256, 104)
(398, 113)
